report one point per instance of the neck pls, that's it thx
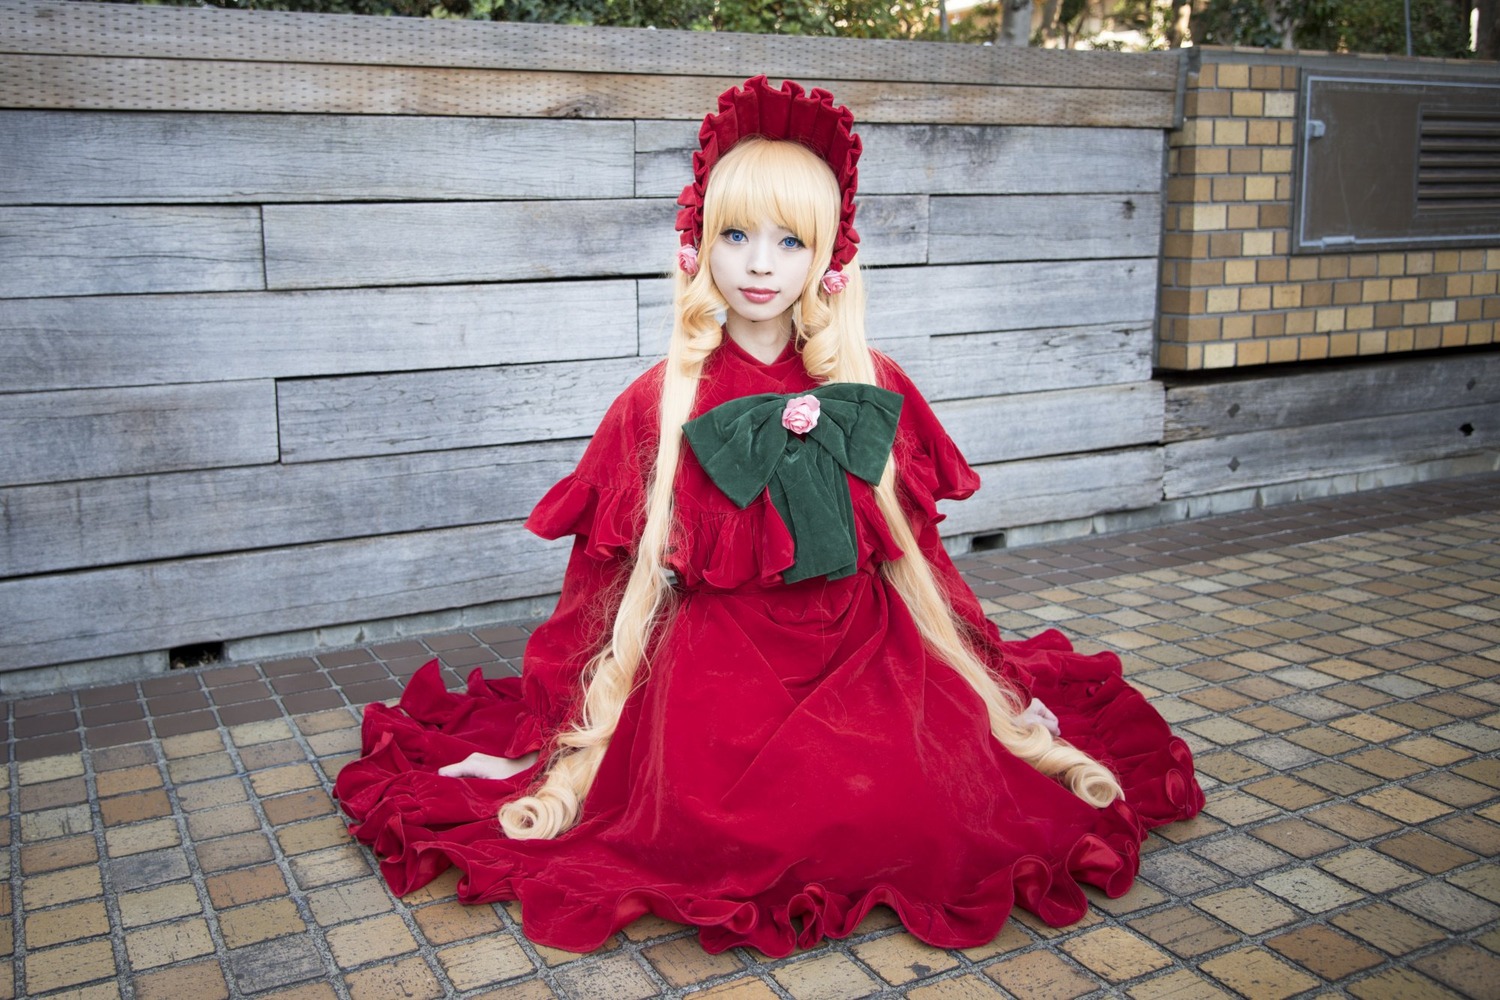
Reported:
(764, 341)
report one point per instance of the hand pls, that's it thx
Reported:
(482, 765)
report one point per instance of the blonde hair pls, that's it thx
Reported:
(761, 180)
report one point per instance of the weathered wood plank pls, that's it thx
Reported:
(987, 364)
(1259, 458)
(53, 159)
(978, 298)
(93, 251)
(1033, 424)
(133, 519)
(950, 159)
(351, 245)
(185, 33)
(977, 364)
(89, 433)
(151, 339)
(1044, 227)
(156, 606)
(128, 84)
(1040, 490)
(1328, 395)
(465, 408)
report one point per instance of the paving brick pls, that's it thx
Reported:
(446, 922)
(1115, 954)
(64, 852)
(1012, 937)
(485, 962)
(336, 864)
(900, 958)
(138, 838)
(1184, 931)
(1041, 975)
(70, 965)
(1242, 854)
(683, 962)
(1298, 837)
(618, 977)
(1309, 889)
(61, 887)
(223, 821)
(149, 906)
(969, 987)
(133, 808)
(1426, 852)
(1447, 906)
(1398, 984)
(1393, 931)
(281, 962)
(1368, 870)
(1352, 821)
(245, 886)
(1324, 952)
(66, 923)
(350, 901)
(1470, 970)
(409, 979)
(259, 922)
(1405, 806)
(1257, 974)
(1247, 909)
(235, 851)
(296, 806)
(198, 980)
(359, 943)
(1178, 985)
(164, 944)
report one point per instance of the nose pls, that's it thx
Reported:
(761, 259)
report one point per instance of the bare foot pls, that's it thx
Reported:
(482, 765)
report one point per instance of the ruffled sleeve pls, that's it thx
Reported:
(601, 503)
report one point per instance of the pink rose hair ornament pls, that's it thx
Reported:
(789, 114)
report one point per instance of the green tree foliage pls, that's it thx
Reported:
(1438, 27)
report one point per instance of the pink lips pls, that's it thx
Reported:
(759, 296)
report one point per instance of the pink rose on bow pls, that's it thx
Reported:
(687, 259)
(1037, 714)
(801, 414)
(834, 281)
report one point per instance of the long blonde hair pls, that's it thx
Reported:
(762, 180)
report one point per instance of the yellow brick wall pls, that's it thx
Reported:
(1232, 293)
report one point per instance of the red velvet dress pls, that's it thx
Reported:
(794, 757)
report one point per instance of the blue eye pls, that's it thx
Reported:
(792, 243)
(734, 235)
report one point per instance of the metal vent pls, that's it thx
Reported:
(1458, 163)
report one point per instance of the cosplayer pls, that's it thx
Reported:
(767, 702)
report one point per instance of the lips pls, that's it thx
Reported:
(760, 296)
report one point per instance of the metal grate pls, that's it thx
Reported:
(1458, 162)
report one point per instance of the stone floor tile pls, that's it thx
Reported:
(1115, 954)
(1447, 906)
(1353, 821)
(1398, 984)
(138, 838)
(1182, 875)
(1298, 837)
(336, 864)
(1368, 870)
(449, 921)
(63, 852)
(409, 979)
(280, 962)
(236, 851)
(1040, 975)
(196, 980)
(259, 922)
(494, 960)
(1257, 974)
(307, 991)
(900, 958)
(1247, 910)
(1140, 896)
(1392, 930)
(746, 988)
(1178, 985)
(1424, 851)
(312, 835)
(1310, 889)
(1471, 971)
(1184, 931)
(1324, 952)
(1012, 937)
(366, 941)
(617, 977)
(149, 906)
(66, 923)
(1242, 854)
(683, 962)
(1451, 789)
(966, 987)
(295, 806)
(58, 887)
(350, 901)
(1287, 792)
(69, 965)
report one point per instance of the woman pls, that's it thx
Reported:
(767, 702)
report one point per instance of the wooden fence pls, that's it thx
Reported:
(300, 314)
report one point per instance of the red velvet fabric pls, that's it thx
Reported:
(793, 757)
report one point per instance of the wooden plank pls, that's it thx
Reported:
(155, 606)
(1033, 424)
(39, 26)
(53, 159)
(135, 519)
(1044, 227)
(458, 408)
(978, 298)
(351, 245)
(130, 84)
(151, 339)
(93, 251)
(1327, 395)
(986, 364)
(1259, 458)
(83, 434)
(1039, 490)
(950, 159)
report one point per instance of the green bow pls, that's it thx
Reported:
(744, 448)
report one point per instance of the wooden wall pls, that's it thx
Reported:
(300, 314)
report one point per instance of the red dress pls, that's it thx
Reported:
(793, 757)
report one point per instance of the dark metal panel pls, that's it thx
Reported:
(1396, 163)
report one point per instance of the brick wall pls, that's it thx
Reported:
(1233, 295)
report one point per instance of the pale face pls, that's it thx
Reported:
(760, 273)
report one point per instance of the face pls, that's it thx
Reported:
(760, 272)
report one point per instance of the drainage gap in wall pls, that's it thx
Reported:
(201, 654)
(987, 543)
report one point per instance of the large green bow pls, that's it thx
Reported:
(744, 448)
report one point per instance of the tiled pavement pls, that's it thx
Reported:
(1332, 664)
